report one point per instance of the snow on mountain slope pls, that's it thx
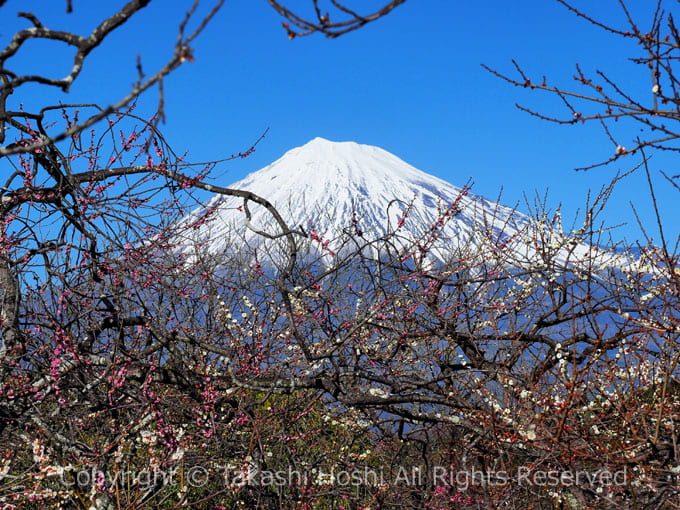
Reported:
(323, 185)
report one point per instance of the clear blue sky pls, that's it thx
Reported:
(410, 83)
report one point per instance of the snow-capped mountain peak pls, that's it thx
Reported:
(333, 187)
(340, 172)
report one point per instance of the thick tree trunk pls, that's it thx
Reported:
(9, 304)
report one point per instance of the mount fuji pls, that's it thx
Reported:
(333, 187)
